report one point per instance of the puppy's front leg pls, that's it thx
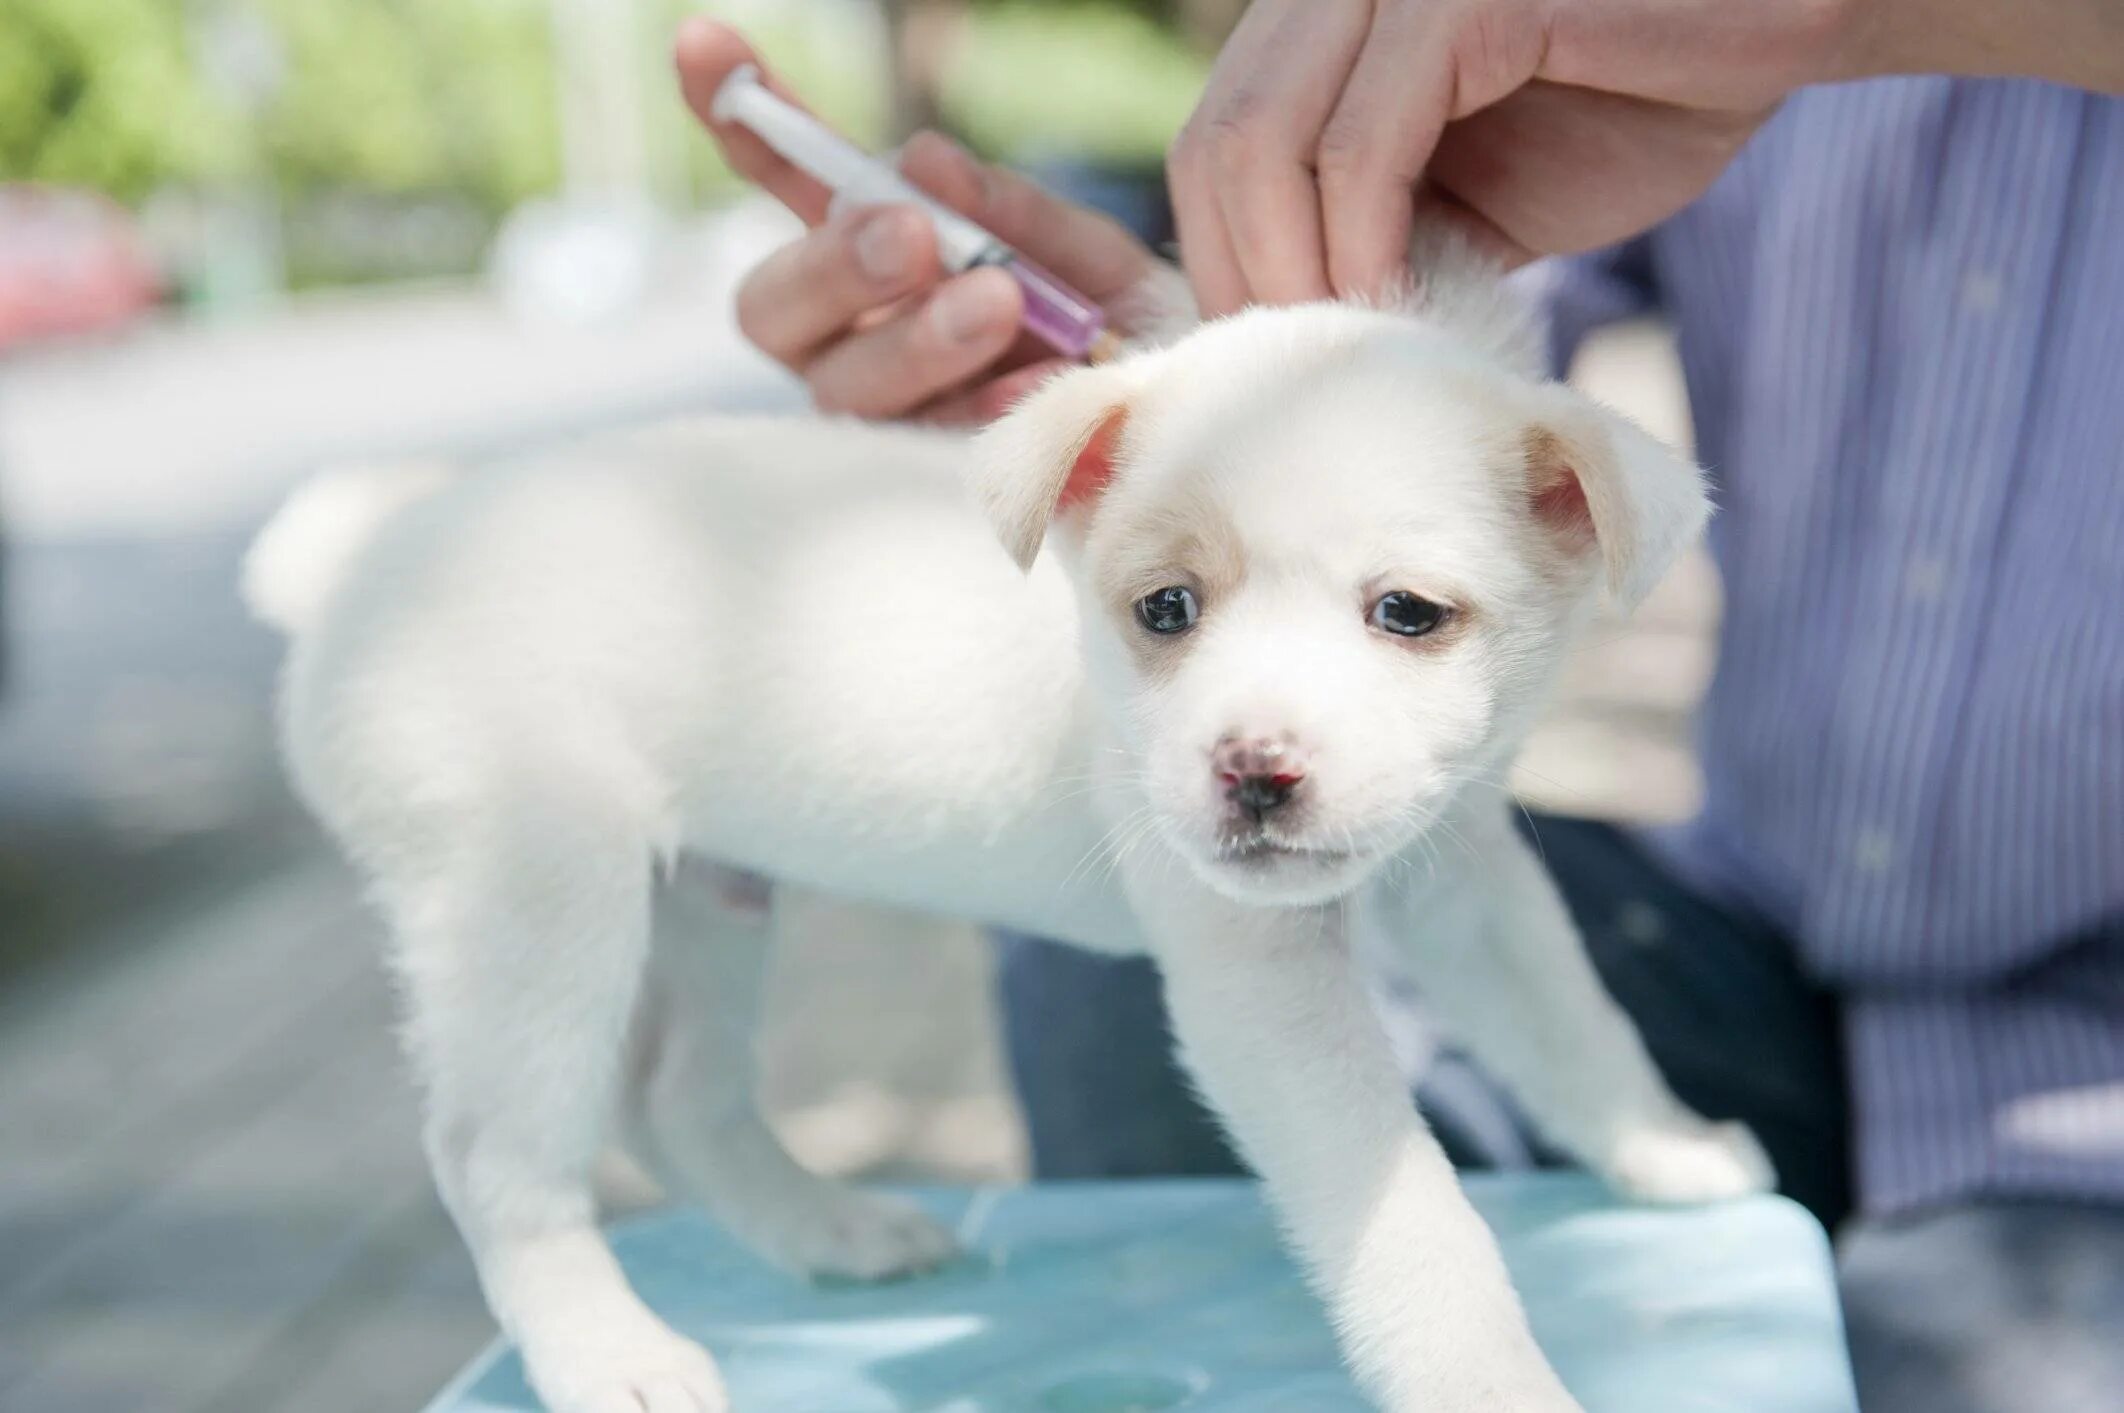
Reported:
(1277, 1031)
(1494, 947)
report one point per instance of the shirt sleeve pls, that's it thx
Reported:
(1574, 295)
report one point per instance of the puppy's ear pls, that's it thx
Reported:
(1051, 456)
(1599, 482)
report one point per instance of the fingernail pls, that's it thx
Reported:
(1002, 394)
(965, 310)
(984, 183)
(884, 247)
(693, 32)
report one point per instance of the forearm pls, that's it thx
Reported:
(2074, 42)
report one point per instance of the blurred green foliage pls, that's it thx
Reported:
(103, 93)
(412, 95)
(409, 97)
(454, 102)
(1102, 81)
(384, 95)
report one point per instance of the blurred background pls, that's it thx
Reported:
(240, 239)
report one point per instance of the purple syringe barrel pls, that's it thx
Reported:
(1056, 314)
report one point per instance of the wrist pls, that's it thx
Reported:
(2077, 42)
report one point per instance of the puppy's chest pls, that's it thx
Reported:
(1414, 913)
(1006, 843)
(897, 770)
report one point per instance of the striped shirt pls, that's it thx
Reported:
(1901, 318)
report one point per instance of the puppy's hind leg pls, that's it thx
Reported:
(1503, 962)
(523, 934)
(694, 1104)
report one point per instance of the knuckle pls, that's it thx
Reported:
(873, 378)
(1184, 158)
(1182, 167)
(1819, 27)
(931, 365)
(1347, 146)
(927, 144)
(1498, 48)
(1231, 141)
(956, 175)
(806, 284)
(838, 399)
(1219, 138)
(824, 259)
(754, 300)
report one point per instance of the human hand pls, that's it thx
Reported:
(861, 309)
(1545, 127)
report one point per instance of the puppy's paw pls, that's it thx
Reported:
(840, 1233)
(645, 1369)
(1690, 1161)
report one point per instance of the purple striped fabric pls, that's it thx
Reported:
(1901, 316)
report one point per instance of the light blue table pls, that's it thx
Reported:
(1135, 1297)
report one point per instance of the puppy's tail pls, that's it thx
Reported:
(298, 560)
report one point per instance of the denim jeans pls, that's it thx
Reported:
(1983, 1307)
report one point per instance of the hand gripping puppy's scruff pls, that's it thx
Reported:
(1307, 577)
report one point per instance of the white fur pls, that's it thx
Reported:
(304, 551)
(561, 713)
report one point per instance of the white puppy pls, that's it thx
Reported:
(1312, 573)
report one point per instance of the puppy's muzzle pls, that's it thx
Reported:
(1260, 776)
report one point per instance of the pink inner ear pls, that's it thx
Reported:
(1561, 505)
(1095, 464)
(1559, 493)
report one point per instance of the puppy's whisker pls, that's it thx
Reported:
(1147, 828)
(1091, 855)
(1549, 780)
(1104, 858)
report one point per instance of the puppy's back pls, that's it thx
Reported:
(692, 606)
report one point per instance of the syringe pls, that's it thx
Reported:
(1057, 314)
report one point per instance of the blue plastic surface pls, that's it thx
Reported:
(1148, 1296)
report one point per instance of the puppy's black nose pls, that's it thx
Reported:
(1259, 776)
(1257, 795)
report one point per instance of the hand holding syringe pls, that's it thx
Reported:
(902, 334)
(1054, 313)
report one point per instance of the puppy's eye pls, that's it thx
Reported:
(1169, 610)
(1407, 615)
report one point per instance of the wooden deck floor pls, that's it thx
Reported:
(212, 1195)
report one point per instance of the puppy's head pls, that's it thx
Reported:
(1330, 558)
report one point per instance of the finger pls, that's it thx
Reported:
(705, 53)
(984, 403)
(1411, 78)
(1262, 160)
(969, 322)
(1271, 210)
(821, 284)
(1198, 225)
(1437, 207)
(1087, 250)
(1255, 137)
(1192, 179)
(1372, 152)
